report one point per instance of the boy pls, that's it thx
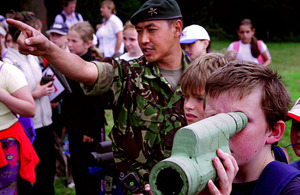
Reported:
(254, 90)
(58, 34)
(294, 113)
(192, 85)
(131, 43)
(193, 81)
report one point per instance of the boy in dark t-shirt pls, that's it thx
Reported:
(258, 92)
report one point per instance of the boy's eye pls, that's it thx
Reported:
(200, 99)
(185, 97)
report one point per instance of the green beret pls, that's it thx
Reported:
(157, 10)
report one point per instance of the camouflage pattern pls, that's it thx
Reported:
(147, 112)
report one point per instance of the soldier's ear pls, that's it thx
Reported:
(177, 28)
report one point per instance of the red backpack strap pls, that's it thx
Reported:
(236, 45)
(260, 58)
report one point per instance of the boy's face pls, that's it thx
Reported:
(247, 146)
(58, 39)
(295, 136)
(130, 40)
(193, 107)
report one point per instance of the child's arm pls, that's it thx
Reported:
(267, 60)
(19, 102)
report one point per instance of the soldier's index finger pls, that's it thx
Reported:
(18, 24)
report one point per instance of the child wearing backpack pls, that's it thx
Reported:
(248, 48)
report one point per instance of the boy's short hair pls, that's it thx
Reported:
(194, 77)
(245, 77)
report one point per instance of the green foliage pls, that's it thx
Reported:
(61, 189)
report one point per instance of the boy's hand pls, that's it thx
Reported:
(147, 190)
(226, 173)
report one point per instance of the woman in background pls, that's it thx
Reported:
(110, 32)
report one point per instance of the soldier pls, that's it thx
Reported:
(148, 103)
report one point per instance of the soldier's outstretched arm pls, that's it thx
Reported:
(33, 42)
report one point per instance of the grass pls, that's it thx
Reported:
(285, 60)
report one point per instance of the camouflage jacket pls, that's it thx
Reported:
(147, 112)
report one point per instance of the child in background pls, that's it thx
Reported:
(3, 33)
(58, 35)
(85, 119)
(193, 81)
(248, 48)
(192, 85)
(294, 114)
(257, 91)
(130, 41)
(195, 41)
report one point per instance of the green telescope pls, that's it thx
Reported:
(190, 165)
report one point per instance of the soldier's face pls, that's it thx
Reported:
(156, 39)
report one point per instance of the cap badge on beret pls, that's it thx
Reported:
(157, 10)
(152, 11)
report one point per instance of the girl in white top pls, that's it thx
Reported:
(248, 48)
(110, 32)
(130, 42)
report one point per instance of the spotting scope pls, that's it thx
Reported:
(190, 165)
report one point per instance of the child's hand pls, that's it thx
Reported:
(42, 90)
(87, 139)
(147, 189)
(226, 170)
